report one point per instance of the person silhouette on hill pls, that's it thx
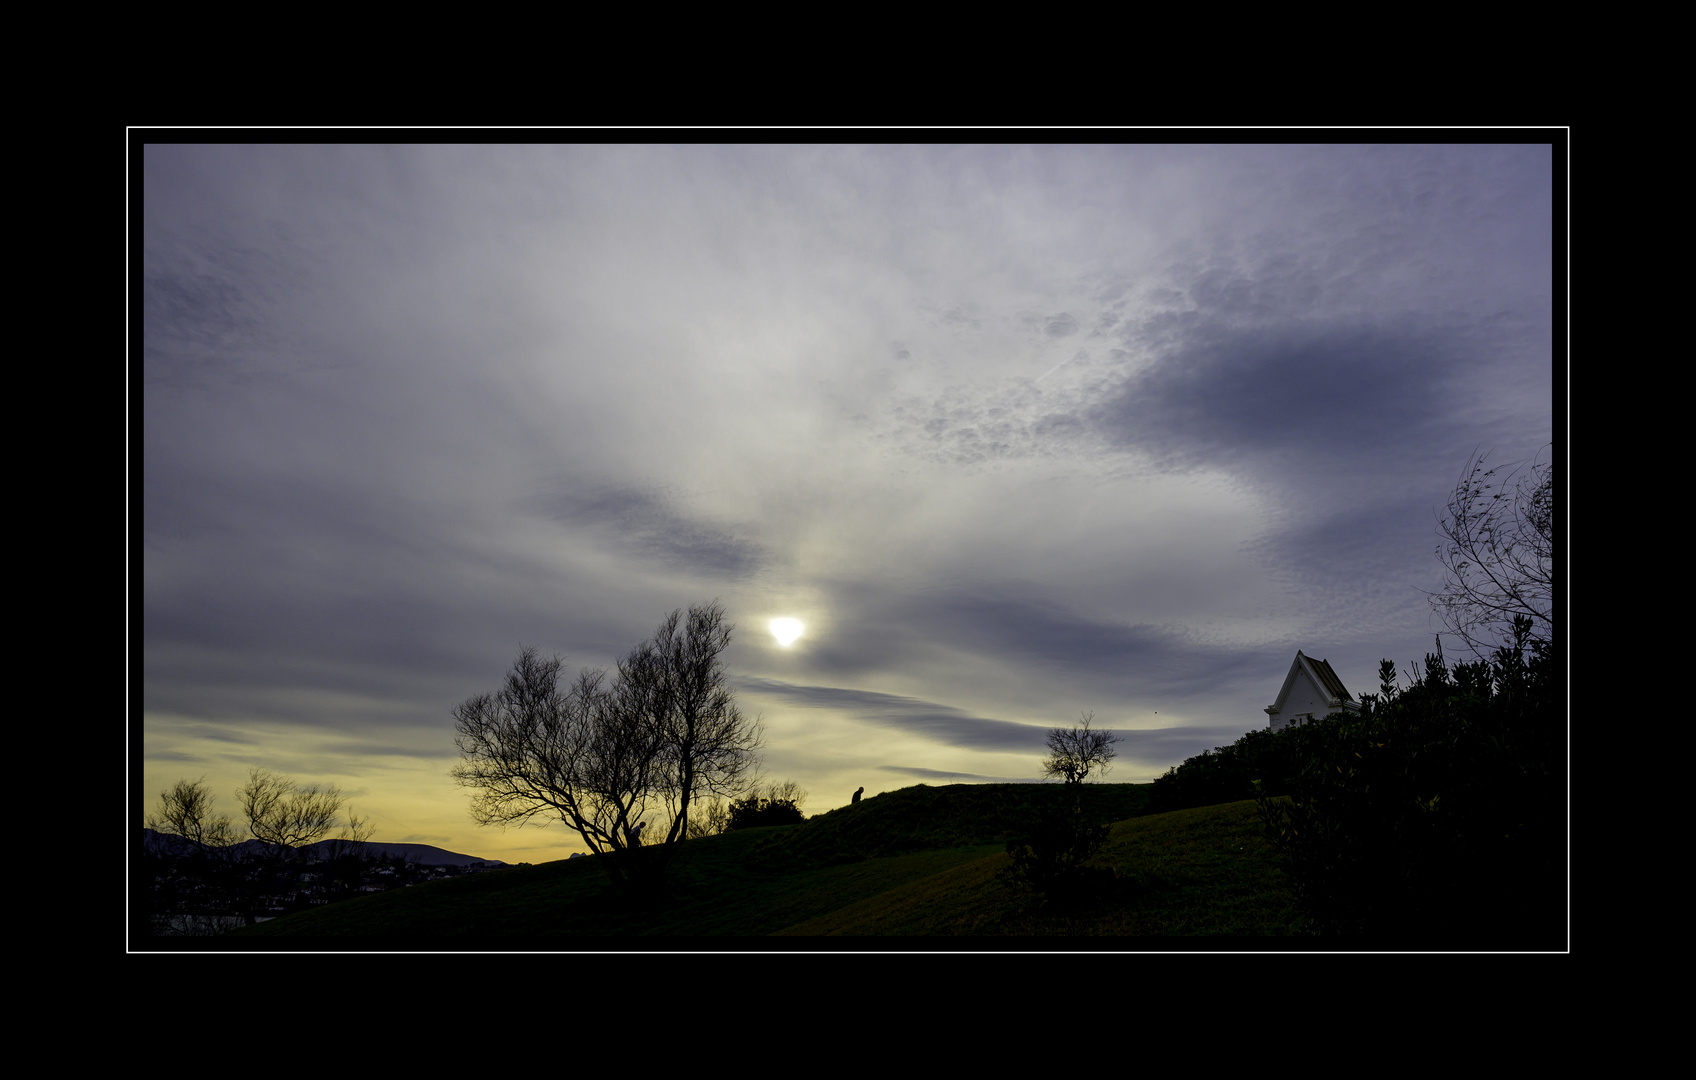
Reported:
(857, 792)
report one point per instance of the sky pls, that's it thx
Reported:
(1018, 433)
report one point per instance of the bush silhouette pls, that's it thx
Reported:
(1051, 861)
(1229, 773)
(755, 811)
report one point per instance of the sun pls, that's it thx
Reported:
(786, 631)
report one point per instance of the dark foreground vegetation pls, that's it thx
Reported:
(919, 861)
(1437, 817)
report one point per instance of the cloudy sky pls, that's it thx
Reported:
(1017, 432)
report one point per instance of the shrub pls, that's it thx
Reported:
(1436, 817)
(755, 811)
(1052, 859)
(1228, 773)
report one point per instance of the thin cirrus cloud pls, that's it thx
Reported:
(952, 727)
(937, 723)
(650, 524)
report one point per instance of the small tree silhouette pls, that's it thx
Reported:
(1076, 752)
(1052, 859)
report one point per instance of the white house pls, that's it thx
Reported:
(1311, 691)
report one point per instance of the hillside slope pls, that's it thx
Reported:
(920, 861)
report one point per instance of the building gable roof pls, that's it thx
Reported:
(1322, 676)
(1327, 678)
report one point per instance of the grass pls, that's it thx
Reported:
(1202, 872)
(921, 861)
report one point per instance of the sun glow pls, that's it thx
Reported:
(786, 631)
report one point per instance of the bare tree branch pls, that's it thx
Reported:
(285, 816)
(1497, 553)
(186, 811)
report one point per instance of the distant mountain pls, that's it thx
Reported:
(171, 844)
(422, 854)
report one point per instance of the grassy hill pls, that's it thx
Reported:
(919, 861)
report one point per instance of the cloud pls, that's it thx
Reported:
(1061, 325)
(651, 525)
(175, 755)
(1016, 627)
(1304, 394)
(186, 307)
(938, 776)
(959, 729)
(913, 716)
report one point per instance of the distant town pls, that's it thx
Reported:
(198, 891)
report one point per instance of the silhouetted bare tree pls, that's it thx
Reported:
(1054, 858)
(185, 810)
(188, 883)
(286, 816)
(1497, 554)
(677, 682)
(664, 735)
(1076, 752)
(708, 817)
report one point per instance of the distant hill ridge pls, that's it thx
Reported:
(422, 854)
(923, 817)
